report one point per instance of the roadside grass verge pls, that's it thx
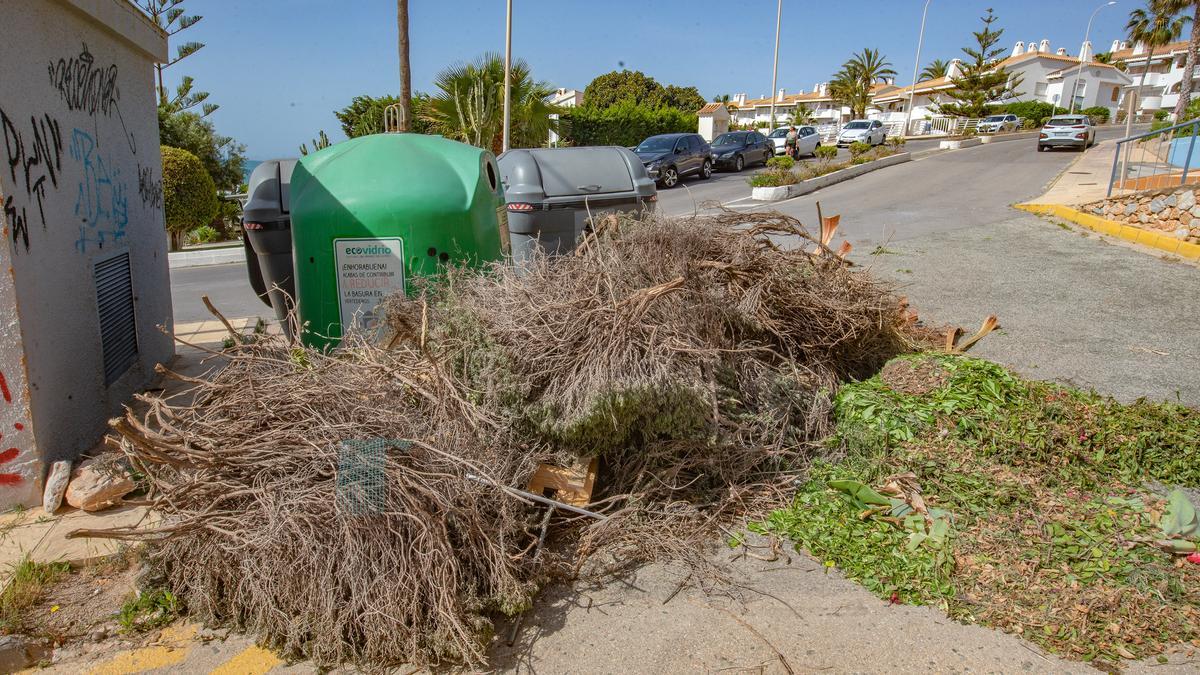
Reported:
(29, 582)
(1054, 497)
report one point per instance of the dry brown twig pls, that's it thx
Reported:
(697, 358)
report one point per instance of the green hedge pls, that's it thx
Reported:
(1098, 113)
(624, 123)
(1031, 110)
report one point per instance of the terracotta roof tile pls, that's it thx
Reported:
(1173, 48)
(710, 108)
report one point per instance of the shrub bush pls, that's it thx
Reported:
(1160, 115)
(858, 149)
(774, 178)
(189, 194)
(826, 152)
(781, 162)
(1032, 110)
(896, 142)
(205, 234)
(1028, 123)
(625, 123)
(1099, 114)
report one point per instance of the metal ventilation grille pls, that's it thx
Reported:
(118, 329)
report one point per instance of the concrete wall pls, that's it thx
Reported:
(81, 181)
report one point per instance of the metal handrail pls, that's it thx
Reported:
(1193, 124)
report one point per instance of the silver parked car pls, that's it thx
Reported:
(862, 131)
(995, 124)
(807, 140)
(1070, 131)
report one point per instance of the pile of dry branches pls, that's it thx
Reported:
(347, 506)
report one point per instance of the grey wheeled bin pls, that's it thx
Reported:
(551, 193)
(268, 235)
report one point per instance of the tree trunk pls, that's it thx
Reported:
(162, 93)
(405, 70)
(1185, 87)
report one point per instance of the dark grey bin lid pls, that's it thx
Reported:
(543, 173)
(268, 193)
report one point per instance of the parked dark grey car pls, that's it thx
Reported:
(735, 149)
(669, 157)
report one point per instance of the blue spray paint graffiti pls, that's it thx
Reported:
(102, 205)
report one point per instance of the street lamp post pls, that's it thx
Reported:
(775, 68)
(506, 139)
(1086, 36)
(916, 66)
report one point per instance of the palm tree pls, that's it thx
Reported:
(469, 104)
(1154, 26)
(937, 68)
(1189, 66)
(723, 98)
(851, 86)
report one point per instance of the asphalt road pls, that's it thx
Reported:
(1073, 306)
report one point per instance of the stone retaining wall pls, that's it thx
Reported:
(1174, 211)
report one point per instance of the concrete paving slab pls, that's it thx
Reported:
(55, 546)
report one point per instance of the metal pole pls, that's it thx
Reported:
(1086, 36)
(506, 140)
(1128, 132)
(1187, 163)
(916, 67)
(775, 68)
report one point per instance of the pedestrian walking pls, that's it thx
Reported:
(790, 142)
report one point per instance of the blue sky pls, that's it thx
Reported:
(280, 67)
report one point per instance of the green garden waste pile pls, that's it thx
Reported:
(346, 506)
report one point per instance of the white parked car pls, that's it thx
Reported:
(807, 139)
(862, 131)
(995, 124)
(1070, 131)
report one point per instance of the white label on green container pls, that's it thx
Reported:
(368, 270)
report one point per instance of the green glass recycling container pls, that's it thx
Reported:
(372, 214)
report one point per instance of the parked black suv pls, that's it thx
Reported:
(735, 149)
(669, 157)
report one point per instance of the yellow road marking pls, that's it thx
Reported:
(178, 643)
(252, 661)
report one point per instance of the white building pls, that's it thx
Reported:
(820, 105)
(83, 264)
(563, 98)
(713, 120)
(1038, 74)
(1163, 79)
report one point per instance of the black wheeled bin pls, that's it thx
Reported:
(551, 193)
(267, 222)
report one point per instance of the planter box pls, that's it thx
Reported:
(770, 194)
(774, 194)
(960, 144)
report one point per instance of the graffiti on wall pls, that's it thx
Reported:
(101, 204)
(33, 153)
(89, 88)
(150, 189)
(9, 454)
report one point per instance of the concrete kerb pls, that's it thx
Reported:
(202, 257)
(1137, 235)
(1000, 138)
(960, 143)
(774, 194)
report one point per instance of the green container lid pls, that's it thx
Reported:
(371, 214)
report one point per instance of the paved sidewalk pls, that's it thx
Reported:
(1085, 180)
